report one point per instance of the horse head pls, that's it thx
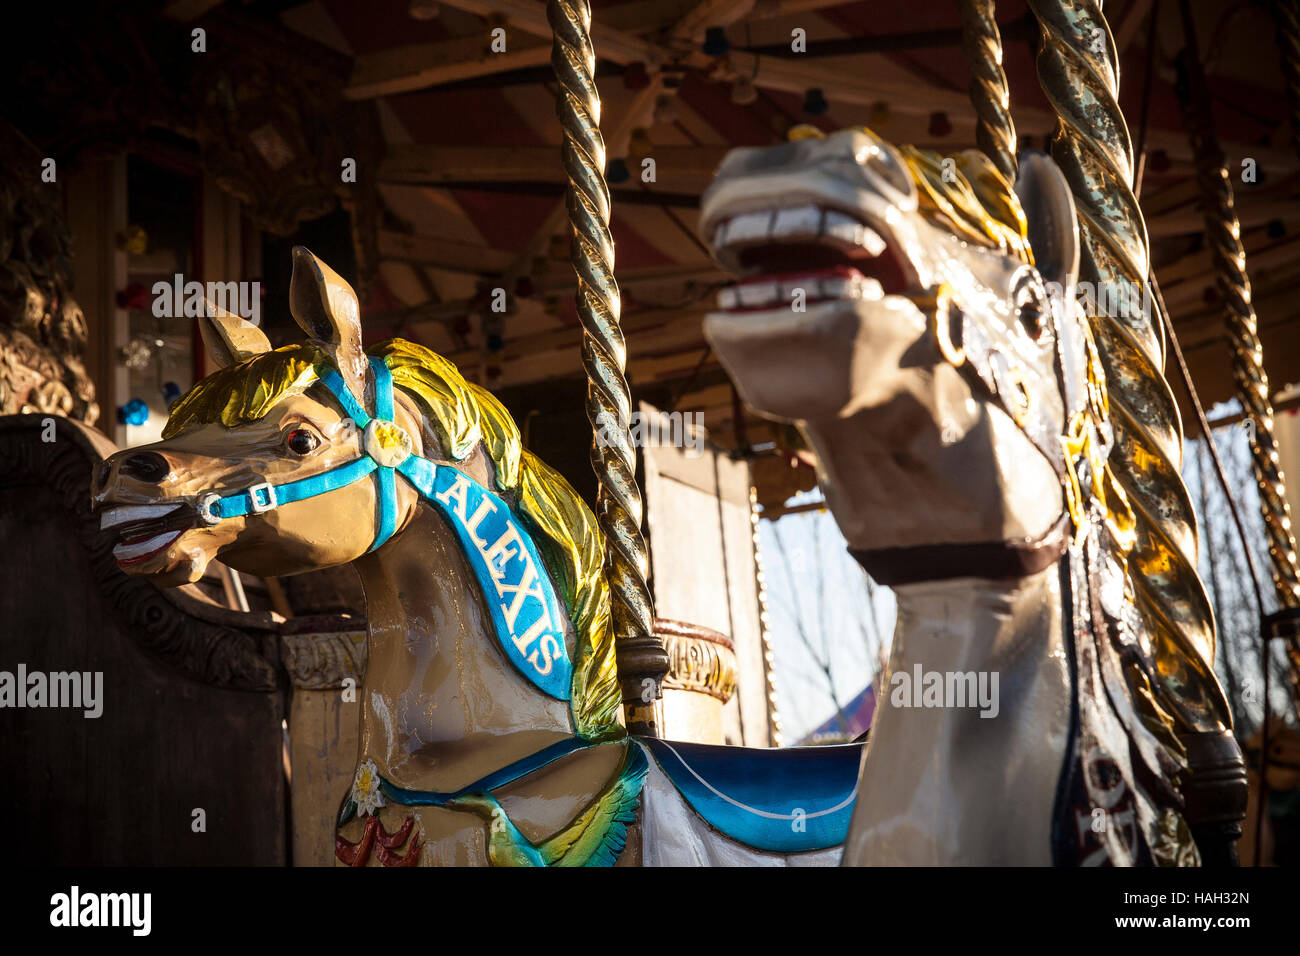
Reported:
(264, 420)
(915, 315)
(896, 297)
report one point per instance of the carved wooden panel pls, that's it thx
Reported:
(191, 693)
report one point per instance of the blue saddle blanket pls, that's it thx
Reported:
(786, 800)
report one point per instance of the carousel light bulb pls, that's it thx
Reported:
(640, 144)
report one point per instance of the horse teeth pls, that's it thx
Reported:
(869, 288)
(871, 241)
(836, 289)
(797, 221)
(125, 513)
(727, 299)
(790, 288)
(848, 230)
(124, 552)
(749, 226)
(758, 293)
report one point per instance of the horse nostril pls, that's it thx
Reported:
(146, 466)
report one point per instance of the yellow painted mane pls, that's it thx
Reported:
(463, 415)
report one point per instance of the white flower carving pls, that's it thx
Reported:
(365, 789)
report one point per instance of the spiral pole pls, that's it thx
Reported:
(641, 659)
(1223, 236)
(1286, 14)
(1079, 73)
(981, 41)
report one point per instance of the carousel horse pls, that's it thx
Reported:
(490, 711)
(915, 316)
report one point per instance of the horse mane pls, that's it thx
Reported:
(463, 415)
(971, 199)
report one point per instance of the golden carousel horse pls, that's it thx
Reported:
(490, 709)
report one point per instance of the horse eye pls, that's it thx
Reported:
(301, 442)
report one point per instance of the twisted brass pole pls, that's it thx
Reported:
(1223, 233)
(1286, 14)
(642, 661)
(1079, 72)
(1078, 69)
(981, 41)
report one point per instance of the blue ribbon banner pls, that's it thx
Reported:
(525, 611)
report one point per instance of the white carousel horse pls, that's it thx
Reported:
(915, 317)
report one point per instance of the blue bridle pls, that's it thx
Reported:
(265, 496)
(498, 548)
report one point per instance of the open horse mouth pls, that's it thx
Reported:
(826, 254)
(143, 531)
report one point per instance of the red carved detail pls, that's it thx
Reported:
(356, 854)
(375, 837)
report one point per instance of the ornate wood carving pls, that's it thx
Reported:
(42, 329)
(701, 659)
(321, 651)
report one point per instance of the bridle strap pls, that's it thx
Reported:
(983, 559)
(265, 496)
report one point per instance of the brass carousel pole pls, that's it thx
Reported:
(641, 659)
(1286, 14)
(1223, 232)
(1079, 72)
(981, 41)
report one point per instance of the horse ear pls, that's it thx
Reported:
(325, 307)
(230, 339)
(1053, 222)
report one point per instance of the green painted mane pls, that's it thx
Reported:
(463, 415)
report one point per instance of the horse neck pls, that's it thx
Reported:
(978, 624)
(975, 782)
(441, 705)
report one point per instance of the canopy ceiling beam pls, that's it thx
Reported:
(420, 65)
(428, 165)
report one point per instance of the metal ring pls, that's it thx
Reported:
(940, 325)
(205, 507)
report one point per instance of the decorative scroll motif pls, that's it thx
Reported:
(199, 641)
(981, 41)
(1223, 235)
(703, 660)
(322, 659)
(42, 329)
(1093, 149)
(604, 356)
